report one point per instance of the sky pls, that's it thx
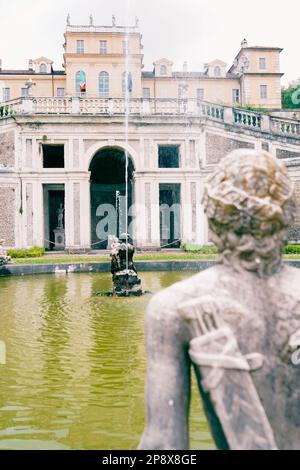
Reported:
(195, 31)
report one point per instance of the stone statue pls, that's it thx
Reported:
(136, 22)
(91, 20)
(113, 20)
(68, 20)
(4, 258)
(125, 279)
(236, 324)
(60, 217)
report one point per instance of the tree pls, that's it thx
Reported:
(291, 96)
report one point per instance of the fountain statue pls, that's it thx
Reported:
(236, 324)
(4, 258)
(60, 217)
(59, 232)
(126, 282)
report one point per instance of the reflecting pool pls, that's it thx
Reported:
(75, 370)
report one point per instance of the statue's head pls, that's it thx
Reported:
(249, 202)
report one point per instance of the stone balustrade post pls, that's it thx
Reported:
(228, 115)
(27, 105)
(146, 107)
(265, 123)
(75, 105)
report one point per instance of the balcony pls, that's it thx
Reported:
(165, 107)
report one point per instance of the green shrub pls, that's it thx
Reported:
(292, 249)
(34, 252)
(201, 249)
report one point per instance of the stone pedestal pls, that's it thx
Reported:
(59, 239)
(127, 283)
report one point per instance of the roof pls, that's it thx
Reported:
(30, 72)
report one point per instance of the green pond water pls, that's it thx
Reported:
(75, 370)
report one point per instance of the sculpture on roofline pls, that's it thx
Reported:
(236, 324)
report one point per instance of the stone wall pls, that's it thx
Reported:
(218, 147)
(7, 149)
(7, 215)
(294, 233)
(282, 153)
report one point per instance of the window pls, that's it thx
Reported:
(163, 70)
(217, 71)
(80, 47)
(168, 156)
(262, 63)
(235, 95)
(263, 92)
(80, 83)
(103, 85)
(126, 82)
(24, 92)
(60, 92)
(125, 46)
(53, 156)
(6, 94)
(43, 68)
(265, 146)
(103, 47)
(200, 94)
(146, 93)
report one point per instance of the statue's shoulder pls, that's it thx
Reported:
(168, 300)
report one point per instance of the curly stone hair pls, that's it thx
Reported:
(249, 202)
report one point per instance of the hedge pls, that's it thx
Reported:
(34, 252)
(203, 250)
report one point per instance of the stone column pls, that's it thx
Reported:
(85, 211)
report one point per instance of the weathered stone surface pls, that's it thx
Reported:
(283, 153)
(7, 215)
(7, 149)
(218, 146)
(77, 214)
(250, 389)
(294, 231)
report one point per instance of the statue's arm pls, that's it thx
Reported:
(168, 380)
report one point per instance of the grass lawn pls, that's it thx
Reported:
(153, 256)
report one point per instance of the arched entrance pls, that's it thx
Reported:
(107, 178)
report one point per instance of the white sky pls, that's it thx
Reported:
(193, 30)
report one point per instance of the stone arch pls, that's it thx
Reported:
(107, 170)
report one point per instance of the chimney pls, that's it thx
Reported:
(30, 64)
(244, 43)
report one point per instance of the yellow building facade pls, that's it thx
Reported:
(107, 61)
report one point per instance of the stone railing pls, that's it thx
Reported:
(253, 121)
(285, 127)
(10, 108)
(247, 118)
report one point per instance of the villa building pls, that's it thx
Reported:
(64, 136)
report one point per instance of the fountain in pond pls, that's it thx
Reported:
(4, 258)
(125, 279)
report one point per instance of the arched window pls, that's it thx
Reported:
(43, 68)
(163, 70)
(103, 85)
(126, 83)
(80, 83)
(217, 71)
